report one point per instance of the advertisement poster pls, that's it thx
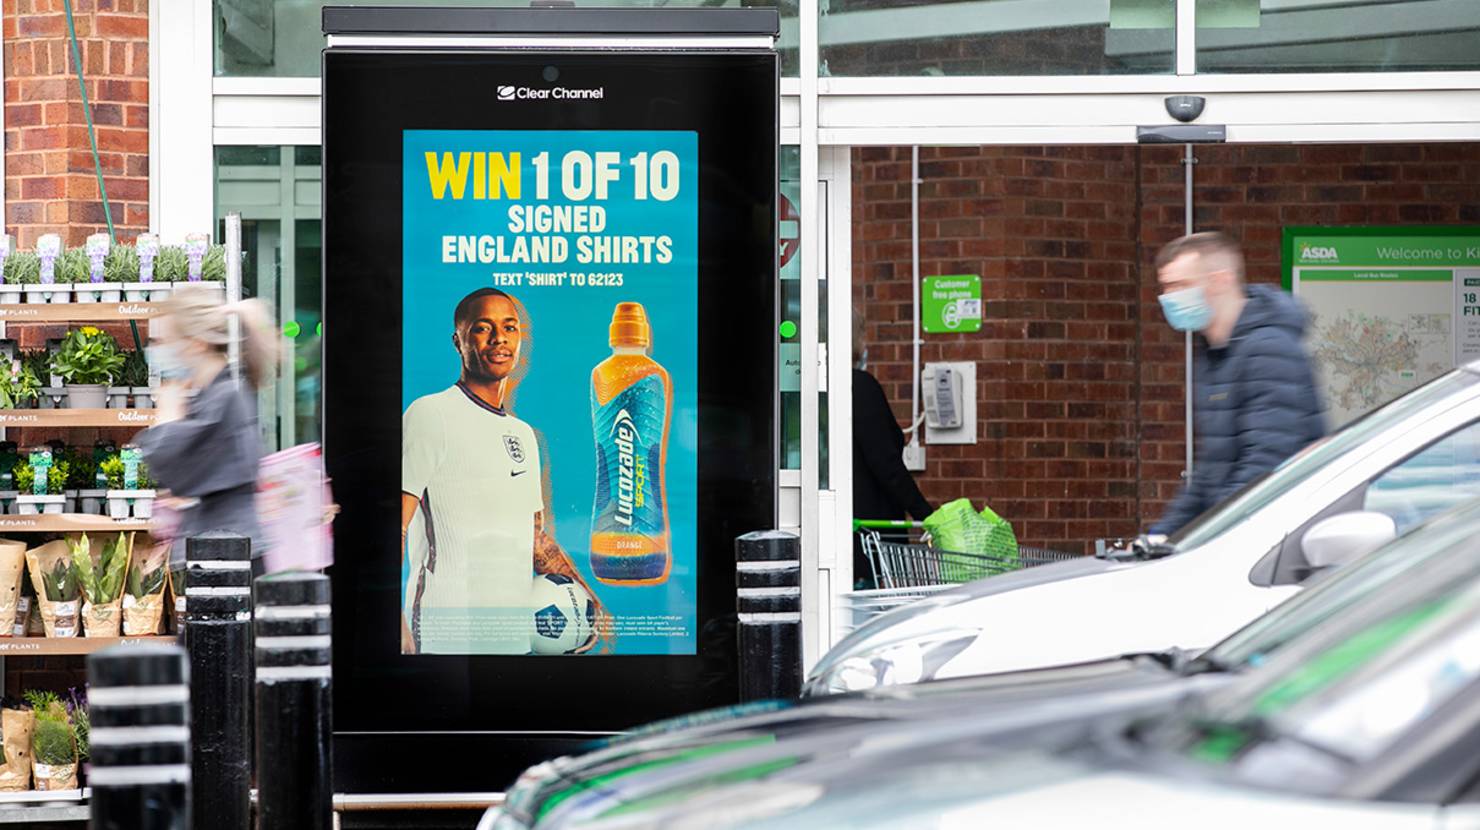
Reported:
(1392, 308)
(549, 391)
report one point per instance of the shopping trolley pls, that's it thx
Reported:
(900, 563)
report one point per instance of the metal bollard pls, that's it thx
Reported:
(218, 636)
(768, 580)
(294, 688)
(140, 740)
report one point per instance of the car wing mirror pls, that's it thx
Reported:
(1346, 537)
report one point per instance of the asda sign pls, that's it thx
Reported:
(1388, 251)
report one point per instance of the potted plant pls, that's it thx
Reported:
(90, 285)
(72, 271)
(47, 289)
(88, 361)
(145, 250)
(213, 270)
(88, 478)
(19, 388)
(171, 266)
(57, 593)
(101, 584)
(21, 268)
(125, 498)
(120, 270)
(53, 743)
(136, 378)
(45, 496)
(10, 292)
(143, 601)
(17, 722)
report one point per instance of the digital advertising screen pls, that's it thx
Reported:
(550, 392)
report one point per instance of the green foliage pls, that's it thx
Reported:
(82, 729)
(39, 362)
(213, 264)
(54, 742)
(56, 476)
(82, 470)
(24, 478)
(172, 264)
(142, 584)
(121, 264)
(88, 355)
(23, 268)
(73, 266)
(42, 702)
(135, 369)
(101, 583)
(61, 583)
(18, 387)
(112, 469)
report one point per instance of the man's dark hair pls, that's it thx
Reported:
(1216, 247)
(464, 308)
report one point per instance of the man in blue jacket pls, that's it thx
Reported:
(1255, 402)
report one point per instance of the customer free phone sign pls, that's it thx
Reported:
(951, 305)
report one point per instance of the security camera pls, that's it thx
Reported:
(1185, 108)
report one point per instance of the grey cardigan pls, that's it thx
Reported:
(210, 455)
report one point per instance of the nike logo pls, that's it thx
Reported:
(517, 473)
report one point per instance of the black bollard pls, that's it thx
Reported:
(218, 636)
(294, 726)
(139, 699)
(768, 579)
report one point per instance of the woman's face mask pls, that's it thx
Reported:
(167, 359)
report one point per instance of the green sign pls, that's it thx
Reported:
(951, 305)
(1378, 274)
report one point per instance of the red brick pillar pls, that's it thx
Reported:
(50, 183)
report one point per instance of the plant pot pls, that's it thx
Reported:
(7, 501)
(34, 505)
(90, 502)
(118, 397)
(209, 285)
(86, 396)
(141, 615)
(10, 294)
(51, 778)
(113, 294)
(117, 504)
(87, 292)
(102, 620)
(70, 503)
(37, 293)
(143, 397)
(159, 291)
(51, 397)
(143, 504)
(136, 292)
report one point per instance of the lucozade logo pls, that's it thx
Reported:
(1317, 253)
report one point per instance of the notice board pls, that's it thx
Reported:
(1391, 307)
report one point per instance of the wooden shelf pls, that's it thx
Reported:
(46, 646)
(76, 417)
(68, 523)
(77, 312)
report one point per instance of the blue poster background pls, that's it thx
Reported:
(568, 334)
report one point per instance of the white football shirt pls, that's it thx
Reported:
(476, 472)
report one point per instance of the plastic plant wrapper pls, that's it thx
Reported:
(12, 572)
(143, 598)
(16, 726)
(57, 592)
(101, 580)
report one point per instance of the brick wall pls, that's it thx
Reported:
(50, 184)
(1080, 379)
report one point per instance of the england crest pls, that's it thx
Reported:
(516, 451)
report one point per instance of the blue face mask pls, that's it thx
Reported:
(165, 359)
(1187, 309)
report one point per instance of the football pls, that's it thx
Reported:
(564, 615)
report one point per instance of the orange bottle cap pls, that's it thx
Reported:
(630, 326)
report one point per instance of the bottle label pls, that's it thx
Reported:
(629, 452)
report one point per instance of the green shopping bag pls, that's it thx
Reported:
(986, 539)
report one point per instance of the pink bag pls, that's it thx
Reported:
(295, 509)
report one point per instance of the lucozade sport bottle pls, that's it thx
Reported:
(631, 404)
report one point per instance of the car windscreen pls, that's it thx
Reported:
(1301, 466)
(1309, 719)
(1387, 574)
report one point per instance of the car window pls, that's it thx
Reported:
(1441, 476)
(1377, 576)
(1315, 457)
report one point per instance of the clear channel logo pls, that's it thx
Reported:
(509, 92)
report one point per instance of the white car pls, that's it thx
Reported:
(1342, 496)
